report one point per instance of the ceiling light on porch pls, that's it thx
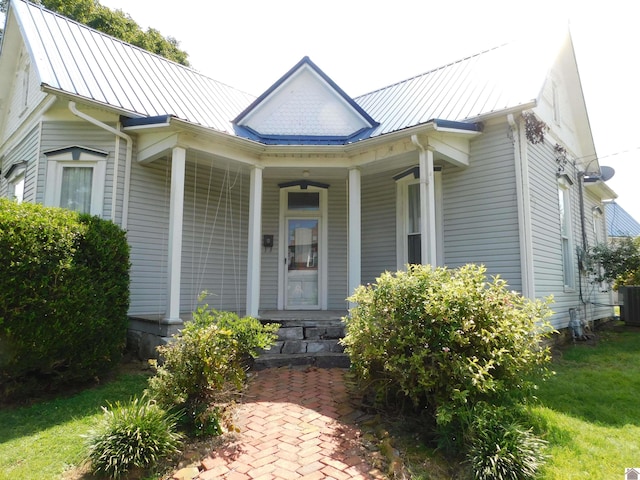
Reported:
(305, 173)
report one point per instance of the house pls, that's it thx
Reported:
(619, 222)
(282, 204)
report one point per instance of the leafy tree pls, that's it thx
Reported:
(115, 23)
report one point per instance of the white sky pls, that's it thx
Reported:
(367, 44)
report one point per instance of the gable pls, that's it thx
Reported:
(306, 106)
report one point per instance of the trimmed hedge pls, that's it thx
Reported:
(64, 296)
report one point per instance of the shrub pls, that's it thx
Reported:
(501, 449)
(134, 435)
(441, 340)
(206, 361)
(64, 296)
(617, 263)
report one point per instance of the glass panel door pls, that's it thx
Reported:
(302, 263)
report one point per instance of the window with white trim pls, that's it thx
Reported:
(75, 179)
(566, 236)
(15, 179)
(408, 222)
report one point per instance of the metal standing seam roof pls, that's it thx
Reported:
(491, 81)
(76, 59)
(619, 222)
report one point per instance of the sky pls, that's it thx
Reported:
(366, 45)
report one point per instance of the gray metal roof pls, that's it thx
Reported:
(502, 78)
(619, 222)
(81, 61)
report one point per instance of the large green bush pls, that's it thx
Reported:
(205, 362)
(64, 296)
(440, 340)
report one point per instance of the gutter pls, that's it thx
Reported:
(127, 173)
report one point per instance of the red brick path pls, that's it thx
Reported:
(291, 429)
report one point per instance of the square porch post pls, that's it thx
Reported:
(176, 213)
(355, 240)
(254, 258)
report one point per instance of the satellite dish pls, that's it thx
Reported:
(606, 173)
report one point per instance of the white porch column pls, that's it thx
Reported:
(176, 212)
(427, 207)
(355, 241)
(254, 258)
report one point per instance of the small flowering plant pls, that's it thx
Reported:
(446, 339)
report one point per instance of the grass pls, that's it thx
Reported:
(592, 410)
(45, 439)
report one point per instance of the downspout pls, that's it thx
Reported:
(524, 206)
(427, 192)
(129, 156)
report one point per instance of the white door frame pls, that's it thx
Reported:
(285, 215)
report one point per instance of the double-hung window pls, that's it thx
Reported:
(408, 224)
(75, 179)
(566, 234)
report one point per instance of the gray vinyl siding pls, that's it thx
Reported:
(147, 234)
(269, 281)
(214, 241)
(337, 248)
(58, 134)
(27, 150)
(547, 246)
(378, 225)
(480, 212)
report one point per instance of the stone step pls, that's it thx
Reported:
(320, 360)
(305, 342)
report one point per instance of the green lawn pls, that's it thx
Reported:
(43, 440)
(592, 409)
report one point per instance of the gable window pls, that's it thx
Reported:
(408, 221)
(75, 179)
(566, 240)
(15, 179)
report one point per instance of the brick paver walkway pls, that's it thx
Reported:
(291, 428)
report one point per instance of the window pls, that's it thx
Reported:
(75, 179)
(15, 179)
(564, 197)
(408, 223)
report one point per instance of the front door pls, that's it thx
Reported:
(303, 227)
(301, 276)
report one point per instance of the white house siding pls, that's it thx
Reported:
(378, 225)
(147, 234)
(60, 134)
(25, 95)
(480, 212)
(214, 240)
(27, 150)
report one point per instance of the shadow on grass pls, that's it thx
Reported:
(598, 384)
(25, 421)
